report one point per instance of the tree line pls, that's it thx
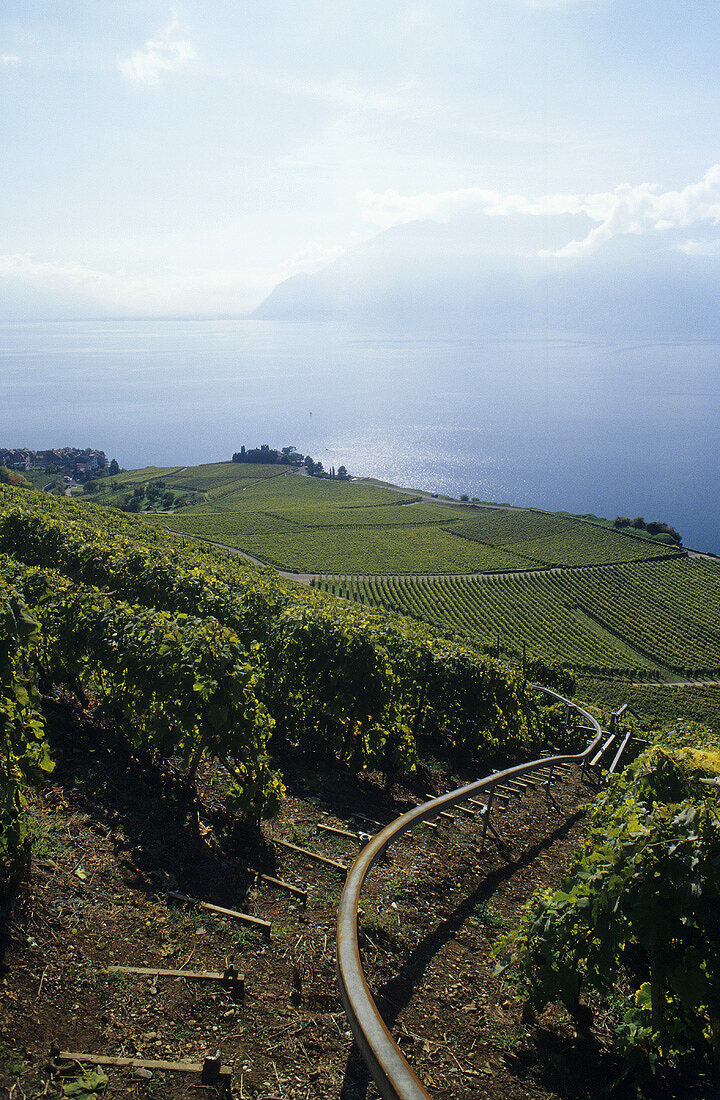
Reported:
(655, 527)
(288, 456)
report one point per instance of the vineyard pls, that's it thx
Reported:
(668, 610)
(660, 705)
(634, 922)
(286, 544)
(168, 696)
(192, 653)
(545, 539)
(632, 617)
(311, 525)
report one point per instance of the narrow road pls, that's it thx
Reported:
(675, 683)
(231, 549)
(307, 578)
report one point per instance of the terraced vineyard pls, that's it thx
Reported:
(669, 610)
(515, 610)
(301, 548)
(216, 476)
(554, 539)
(309, 525)
(566, 588)
(635, 616)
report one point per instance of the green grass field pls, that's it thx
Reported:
(216, 476)
(139, 477)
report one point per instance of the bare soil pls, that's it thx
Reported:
(113, 836)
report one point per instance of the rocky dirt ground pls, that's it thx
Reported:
(113, 838)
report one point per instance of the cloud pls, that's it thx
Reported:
(628, 209)
(23, 266)
(700, 248)
(173, 289)
(646, 209)
(391, 208)
(7, 59)
(164, 54)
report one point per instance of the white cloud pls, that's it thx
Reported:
(7, 59)
(700, 248)
(164, 54)
(173, 289)
(635, 209)
(24, 266)
(645, 209)
(391, 208)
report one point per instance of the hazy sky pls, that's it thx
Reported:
(184, 159)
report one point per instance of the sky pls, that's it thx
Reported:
(183, 160)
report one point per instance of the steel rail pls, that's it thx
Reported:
(392, 1073)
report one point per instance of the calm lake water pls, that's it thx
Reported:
(559, 424)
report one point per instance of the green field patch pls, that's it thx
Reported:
(503, 527)
(218, 475)
(669, 610)
(634, 659)
(288, 545)
(298, 492)
(40, 478)
(140, 476)
(551, 539)
(382, 515)
(666, 704)
(587, 545)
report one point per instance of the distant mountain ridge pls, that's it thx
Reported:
(499, 276)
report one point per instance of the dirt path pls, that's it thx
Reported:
(308, 578)
(533, 571)
(231, 549)
(676, 683)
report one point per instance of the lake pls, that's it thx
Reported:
(609, 428)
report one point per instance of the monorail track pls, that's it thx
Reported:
(393, 1075)
(283, 986)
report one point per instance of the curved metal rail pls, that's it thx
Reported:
(389, 1068)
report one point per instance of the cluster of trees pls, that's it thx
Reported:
(655, 527)
(265, 455)
(316, 469)
(154, 495)
(12, 477)
(289, 456)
